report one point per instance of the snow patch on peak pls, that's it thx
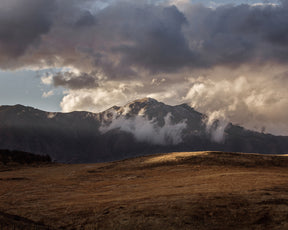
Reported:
(142, 112)
(51, 115)
(126, 110)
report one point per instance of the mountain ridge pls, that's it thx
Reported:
(140, 127)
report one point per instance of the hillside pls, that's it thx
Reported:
(8, 157)
(188, 190)
(138, 128)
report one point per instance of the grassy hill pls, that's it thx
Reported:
(188, 190)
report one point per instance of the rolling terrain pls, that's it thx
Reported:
(181, 190)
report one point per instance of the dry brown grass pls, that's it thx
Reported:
(204, 190)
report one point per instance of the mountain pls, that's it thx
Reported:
(138, 128)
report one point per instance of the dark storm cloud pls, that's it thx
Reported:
(164, 39)
(124, 39)
(72, 81)
(234, 35)
(21, 24)
(128, 35)
(86, 19)
(155, 32)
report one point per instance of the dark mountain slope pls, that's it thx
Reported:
(140, 127)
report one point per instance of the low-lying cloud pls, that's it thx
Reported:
(216, 123)
(146, 130)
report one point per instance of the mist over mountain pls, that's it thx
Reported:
(140, 127)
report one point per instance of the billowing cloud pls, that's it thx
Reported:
(225, 60)
(255, 99)
(102, 97)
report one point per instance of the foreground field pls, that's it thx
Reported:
(203, 190)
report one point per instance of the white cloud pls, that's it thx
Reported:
(101, 98)
(48, 94)
(47, 79)
(148, 130)
(254, 102)
(216, 123)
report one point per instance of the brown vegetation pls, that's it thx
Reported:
(204, 190)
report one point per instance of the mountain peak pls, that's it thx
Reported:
(18, 108)
(139, 106)
(145, 100)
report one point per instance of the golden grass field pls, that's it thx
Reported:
(198, 190)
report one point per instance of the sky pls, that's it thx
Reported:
(227, 59)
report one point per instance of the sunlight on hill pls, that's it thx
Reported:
(174, 157)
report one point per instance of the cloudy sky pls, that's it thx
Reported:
(226, 58)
